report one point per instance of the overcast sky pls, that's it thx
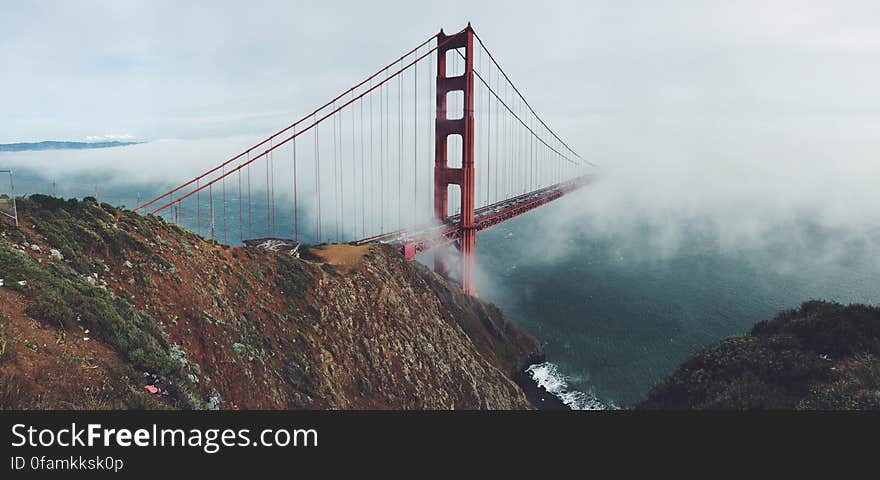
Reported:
(752, 114)
(163, 69)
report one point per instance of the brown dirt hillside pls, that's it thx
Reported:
(99, 302)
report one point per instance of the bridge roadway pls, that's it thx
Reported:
(415, 240)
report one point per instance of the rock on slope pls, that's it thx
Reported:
(99, 303)
(822, 356)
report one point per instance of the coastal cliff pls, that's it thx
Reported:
(104, 308)
(821, 356)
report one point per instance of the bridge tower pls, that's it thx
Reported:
(463, 176)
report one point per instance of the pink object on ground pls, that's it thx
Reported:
(151, 389)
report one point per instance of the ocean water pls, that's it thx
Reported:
(618, 312)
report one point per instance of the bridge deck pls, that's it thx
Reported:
(422, 238)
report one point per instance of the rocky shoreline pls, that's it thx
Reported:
(537, 395)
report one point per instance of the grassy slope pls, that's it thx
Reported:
(62, 294)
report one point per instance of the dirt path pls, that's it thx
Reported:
(343, 257)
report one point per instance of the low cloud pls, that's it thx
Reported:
(775, 183)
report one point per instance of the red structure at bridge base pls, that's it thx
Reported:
(444, 174)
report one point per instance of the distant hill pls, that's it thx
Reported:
(53, 145)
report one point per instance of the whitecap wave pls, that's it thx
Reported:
(548, 376)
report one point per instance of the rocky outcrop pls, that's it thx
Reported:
(212, 326)
(821, 356)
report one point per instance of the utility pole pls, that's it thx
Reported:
(14, 215)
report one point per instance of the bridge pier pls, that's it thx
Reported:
(463, 176)
(440, 264)
(468, 244)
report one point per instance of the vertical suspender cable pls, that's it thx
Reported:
(415, 140)
(198, 209)
(295, 196)
(483, 117)
(497, 143)
(382, 157)
(268, 202)
(372, 169)
(399, 146)
(341, 181)
(240, 210)
(383, 114)
(341, 176)
(250, 207)
(363, 176)
(335, 177)
(211, 199)
(272, 169)
(173, 211)
(340, 229)
(508, 171)
(489, 142)
(317, 187)
(353, 181)
(223, 188)
(519, 159)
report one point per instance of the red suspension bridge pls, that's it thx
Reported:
(358, 168)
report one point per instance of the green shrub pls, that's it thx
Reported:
(292, 276)
(47, 202)
(822, 356)
(829, 328)
(63, 299)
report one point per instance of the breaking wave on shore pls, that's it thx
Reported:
(548, 376)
